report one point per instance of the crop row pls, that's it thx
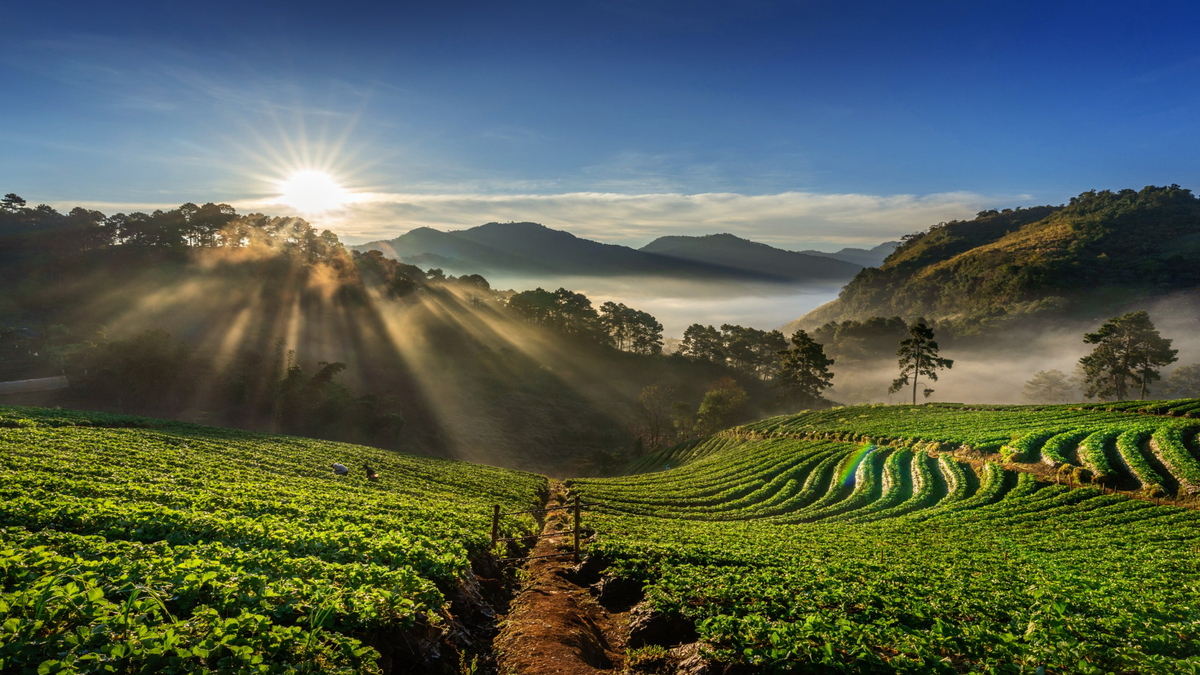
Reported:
(131, 545)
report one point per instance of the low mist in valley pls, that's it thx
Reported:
(994, 366)
(679, 303)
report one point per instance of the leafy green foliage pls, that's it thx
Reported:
(137, 545)
(723, 404)
(852, 540)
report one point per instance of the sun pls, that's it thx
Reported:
(312, 191)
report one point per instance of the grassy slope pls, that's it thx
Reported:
(1108, 248)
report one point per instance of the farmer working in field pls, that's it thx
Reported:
(339, 469)
(371, 475)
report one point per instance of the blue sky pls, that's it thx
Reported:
(798, 123)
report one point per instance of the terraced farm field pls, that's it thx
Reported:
(929, 539)
(923, 539)
(141, 546)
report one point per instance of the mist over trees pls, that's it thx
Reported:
(1128, 354)
(1183, 382)
(275, 325)
(1049, 386)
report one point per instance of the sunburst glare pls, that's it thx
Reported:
(312, 191)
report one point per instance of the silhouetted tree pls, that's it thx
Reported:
(723, 404)
(1128, 350)
(566, 311)
(683, 420)
(631, 330)
(918, 357)
(12, 203)
(804, 370)
(702, 343)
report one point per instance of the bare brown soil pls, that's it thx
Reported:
(555, 625)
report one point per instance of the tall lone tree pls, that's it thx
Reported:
(1129, 350)
(804, 369)
(918, 357)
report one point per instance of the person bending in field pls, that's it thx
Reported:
(371, 475)
(339, 469)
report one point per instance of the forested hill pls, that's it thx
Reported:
(1099, 252)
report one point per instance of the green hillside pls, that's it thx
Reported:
(893, 539)
(141, 546)
(1099, 252)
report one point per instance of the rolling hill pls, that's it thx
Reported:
(1093, 256)
(732, 252)
(867, 257)
(529, 248)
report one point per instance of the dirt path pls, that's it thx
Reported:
(555, 625)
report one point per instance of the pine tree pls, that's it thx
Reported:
(804, 369)
(1129, 351)
(918, 356)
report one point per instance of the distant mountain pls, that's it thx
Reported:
(866, 257)
(734, 252)
(1103, 252)
(529, 248)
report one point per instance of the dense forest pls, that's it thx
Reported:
(1092, 256)
(204, 314)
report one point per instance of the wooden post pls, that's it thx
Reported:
(495, 523)
(576, 528)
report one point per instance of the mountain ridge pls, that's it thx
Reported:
(532, 248)
(867, 257)
(732, 251)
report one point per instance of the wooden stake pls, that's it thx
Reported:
(495, 523)
(576, 528)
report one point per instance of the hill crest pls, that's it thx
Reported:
(1096, 254)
